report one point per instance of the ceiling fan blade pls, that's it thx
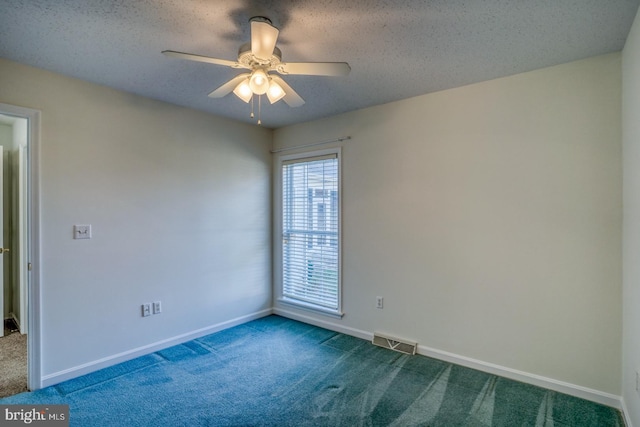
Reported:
(200, 58)
(291, 97)
(263, 39)
(228, 86)
(314, 68)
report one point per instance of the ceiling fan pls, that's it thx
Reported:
(261, 57)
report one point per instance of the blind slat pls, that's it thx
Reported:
(310, 230)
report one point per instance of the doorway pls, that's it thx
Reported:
(13, 264)
(19, 245)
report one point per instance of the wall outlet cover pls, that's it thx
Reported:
(82, 231)
(146, 310)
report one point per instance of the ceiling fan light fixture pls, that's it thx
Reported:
(243, 90)
(262, 60)
(259, 82)
(275, 92)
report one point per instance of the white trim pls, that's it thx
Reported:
(86, 368)
(323, 324)
(525, 377)
(311, 307)
(278, 297)
(34, 359)
(625, 413)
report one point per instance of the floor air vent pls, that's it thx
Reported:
(397, 344)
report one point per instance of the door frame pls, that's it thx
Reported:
(34, 362)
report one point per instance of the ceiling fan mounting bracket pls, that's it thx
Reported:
(261, 19)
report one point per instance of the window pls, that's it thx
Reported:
(310, 227)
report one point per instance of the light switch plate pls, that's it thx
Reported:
(82, 231)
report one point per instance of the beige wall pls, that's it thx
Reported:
(631, 251)
(179, 205)
(489, 218)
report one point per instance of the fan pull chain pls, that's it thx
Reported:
(259, 108)
(259, 105)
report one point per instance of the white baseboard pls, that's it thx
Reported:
(548, 383)
(525, 377)
(625, 413)
(324, 324)
(86, 368)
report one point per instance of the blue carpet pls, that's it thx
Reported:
(279, 372)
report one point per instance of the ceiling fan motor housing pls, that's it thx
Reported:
(247, 58)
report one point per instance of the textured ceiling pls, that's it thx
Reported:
(396, 49)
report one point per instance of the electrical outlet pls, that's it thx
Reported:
(82, 231)
(379, 302)
(146, 310)
(157, 307)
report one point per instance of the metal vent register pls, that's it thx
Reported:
(396, 344)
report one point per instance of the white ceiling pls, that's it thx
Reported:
(396, 49)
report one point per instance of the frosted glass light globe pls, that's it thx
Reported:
(259, 82)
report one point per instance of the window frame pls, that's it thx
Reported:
(278, 232)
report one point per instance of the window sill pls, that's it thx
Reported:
(310, 307)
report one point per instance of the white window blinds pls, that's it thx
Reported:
(310, 225)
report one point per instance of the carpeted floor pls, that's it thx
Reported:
(278, 372)
(13, 361)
